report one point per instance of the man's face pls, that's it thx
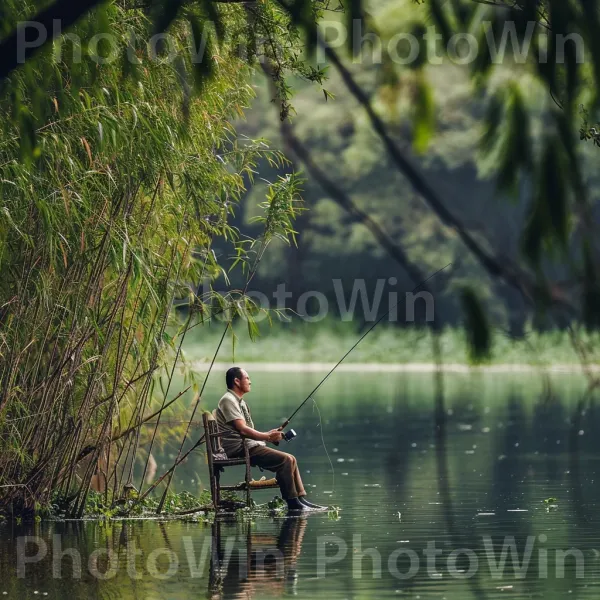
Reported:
(244, 383)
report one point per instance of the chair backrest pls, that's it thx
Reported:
(212, 432)
(217, 432)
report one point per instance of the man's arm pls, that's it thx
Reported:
(270, 436)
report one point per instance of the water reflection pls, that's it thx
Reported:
(465, 537)
(268, 568)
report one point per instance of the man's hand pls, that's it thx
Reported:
(275, 435)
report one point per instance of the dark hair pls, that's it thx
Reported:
(231, 375)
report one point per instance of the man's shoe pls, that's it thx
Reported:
(310, 505)
(294, 505)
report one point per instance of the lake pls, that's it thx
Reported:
(500, 502)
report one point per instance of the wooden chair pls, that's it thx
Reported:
(218, 460)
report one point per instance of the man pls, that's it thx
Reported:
(235, 424)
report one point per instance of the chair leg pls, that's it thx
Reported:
(248, 479)
(213, 488)
(217, 500)
(248, 475)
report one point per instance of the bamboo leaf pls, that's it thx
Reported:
(88, 150)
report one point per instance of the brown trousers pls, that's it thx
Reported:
(285, 467)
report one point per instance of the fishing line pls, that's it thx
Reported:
(325, 447)
(360, 339)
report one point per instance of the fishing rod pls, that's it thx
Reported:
(292, 434)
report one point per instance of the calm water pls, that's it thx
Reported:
(429, 514)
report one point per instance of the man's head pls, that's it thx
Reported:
(238, 380)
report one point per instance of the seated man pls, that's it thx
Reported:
(235, 421)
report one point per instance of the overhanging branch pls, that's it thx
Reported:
(66, 12)
(510, 274)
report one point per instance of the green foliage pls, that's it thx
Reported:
(97, 506)
(304, 15)
(165, 14)
(586, 131)
(276, 503)
(281, 208)
(185, 501)
(529, 151)
(115, 183)
(507, 136)
(551, 505)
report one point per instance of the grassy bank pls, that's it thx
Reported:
(328, 342)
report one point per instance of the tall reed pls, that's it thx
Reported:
(114, 180)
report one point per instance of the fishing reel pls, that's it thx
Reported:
(288, 436)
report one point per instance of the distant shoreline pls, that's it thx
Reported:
(304, 350)
(318, 367)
